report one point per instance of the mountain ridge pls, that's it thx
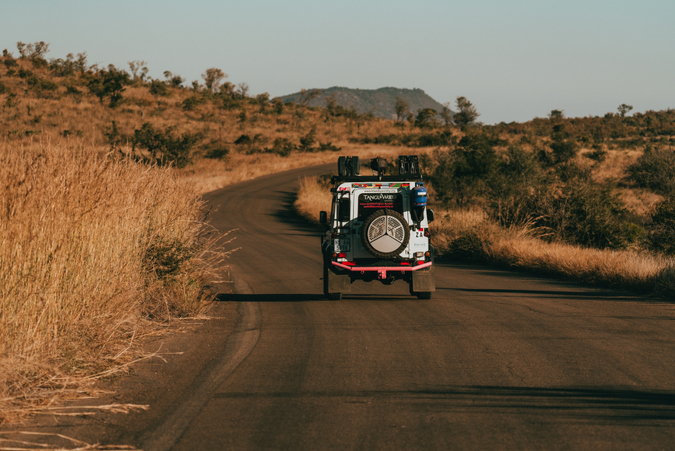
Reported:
(380, 102)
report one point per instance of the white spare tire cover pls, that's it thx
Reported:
(385, 233)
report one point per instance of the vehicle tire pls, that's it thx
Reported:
(330, 296)
(342, 166)
(419, 294)
(385, 233)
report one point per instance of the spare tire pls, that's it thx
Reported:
(385, 233)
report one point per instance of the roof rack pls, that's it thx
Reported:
(349, 168)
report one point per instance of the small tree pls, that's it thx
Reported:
(278, 106)
(401, 109)
(466, 113)
(307, 96)
(213, 77)
(556, 115)
(110, 83)
(242, 90)
(164, 148)
(139, 70)
(624, 109)
(446, 114)
(426, 118)
(34, 52)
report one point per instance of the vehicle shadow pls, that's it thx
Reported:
(286, 213)
(307, 297)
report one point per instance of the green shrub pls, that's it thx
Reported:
(655, 170)
(164, 148)
(158, 88)
(583, 214)
(216, 151)
(282, 147)
(661, 236)
(192, 102)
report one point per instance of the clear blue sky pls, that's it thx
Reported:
(514, 59)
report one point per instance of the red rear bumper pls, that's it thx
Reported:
(382, 270)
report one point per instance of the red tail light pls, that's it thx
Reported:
(426, 232)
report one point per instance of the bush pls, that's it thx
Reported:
(192, 103)
(585, 214)
(467, 171)
(164, 148)
(661, 236)
(282, 147)
(216, 151)
(109, 83)
(655, 170)
(307, 142)
(158, 88)
(323, 147)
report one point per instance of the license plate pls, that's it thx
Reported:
(341, 245)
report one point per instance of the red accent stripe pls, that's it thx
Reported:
(381, 268)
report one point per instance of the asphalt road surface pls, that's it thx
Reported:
(495, 359)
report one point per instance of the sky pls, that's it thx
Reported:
(513, 59)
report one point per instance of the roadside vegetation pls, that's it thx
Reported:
(586, 199)
(102, 226)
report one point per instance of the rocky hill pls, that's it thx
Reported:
(380, 102)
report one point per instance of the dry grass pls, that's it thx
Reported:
(209, 175)
(470, 235)
(92, 248)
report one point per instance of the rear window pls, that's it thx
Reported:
(370, 202)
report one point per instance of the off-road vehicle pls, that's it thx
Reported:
(378, 228)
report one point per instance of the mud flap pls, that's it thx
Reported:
(338, 283)
(423, 281)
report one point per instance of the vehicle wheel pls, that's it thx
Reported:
(419, 294)
(330, 296)
(385, 233)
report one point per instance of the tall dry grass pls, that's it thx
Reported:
(90, 249)
(471, 235)
(209, 175)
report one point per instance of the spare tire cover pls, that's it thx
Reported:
(385, 233)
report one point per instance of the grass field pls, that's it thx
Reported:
(469, 235)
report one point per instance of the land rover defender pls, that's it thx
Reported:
(378, 228)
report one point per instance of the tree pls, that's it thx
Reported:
(242, 90)
(213, 77)
(139, 70)
(307, 96)
(401, 109)
(175, 81)
(110, 83)
(426, 118)
(446, 114)
(466, 113)
(556, 115)
(624, 109)
(34, 52)
(163, 147)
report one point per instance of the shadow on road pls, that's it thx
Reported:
(609, 404)
(235, 297)
(584, 294)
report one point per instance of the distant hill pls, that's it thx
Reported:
(380, 102)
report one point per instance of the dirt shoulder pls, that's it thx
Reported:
(154, 388)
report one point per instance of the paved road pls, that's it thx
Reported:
(494, 360)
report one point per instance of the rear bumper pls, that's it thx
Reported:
(382, 270)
